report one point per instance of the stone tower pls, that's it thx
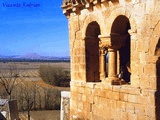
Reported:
(127, 32)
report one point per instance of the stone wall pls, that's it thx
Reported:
(97, 101)
(112, 23)
(65, 105)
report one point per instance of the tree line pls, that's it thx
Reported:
(55, 76)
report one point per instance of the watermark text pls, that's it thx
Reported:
(21, 5)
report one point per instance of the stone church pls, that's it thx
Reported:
(126, 34)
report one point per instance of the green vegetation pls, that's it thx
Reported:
(55, 76)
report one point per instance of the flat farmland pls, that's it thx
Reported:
(30, 70)
(33, 65)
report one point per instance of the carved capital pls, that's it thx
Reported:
(103, 51)
(104, 41)
(114, 41)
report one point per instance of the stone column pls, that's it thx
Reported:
(103, 53)
(112, 67)
(112, 64)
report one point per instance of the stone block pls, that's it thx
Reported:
(139, 117)
(113, 95)
(90, 98)
(80, 105)
(121, 106)
(81, 90)
(87, 107)
(116, 88)
(91, 85)
(74, 95)
(112, 104)
(95, 91)
(151, 99)
(142, 100)
(150, 70)
(123, 116)
(74, 88)
(132, 116)
(102, 93)
(73, 103)
(142, 57)
(132, 98)
(137, 68)
(144, 82)
(84, 98)
(144, 92)
(153, 83)
(79, 96)
(87, 115)
(123, 96)
(96, 99)
(130, 108)
(135, 81)
(140, 110)
(134, 91)
(124, 89)
(103, 101)
(150, 111)
(88, 91)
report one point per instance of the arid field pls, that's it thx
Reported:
(29, 74)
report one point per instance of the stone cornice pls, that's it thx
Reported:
(75, 6)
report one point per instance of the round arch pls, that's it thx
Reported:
(120, 42)
(92, 52)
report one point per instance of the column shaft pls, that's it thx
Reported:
(112, 64)
(103, 64)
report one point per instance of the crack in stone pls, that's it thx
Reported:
(154, 29)
(75, 35)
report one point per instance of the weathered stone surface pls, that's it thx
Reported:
(65, 105)
(128, 31)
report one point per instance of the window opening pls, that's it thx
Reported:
(92, 52)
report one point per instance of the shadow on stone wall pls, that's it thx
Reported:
(157, 93)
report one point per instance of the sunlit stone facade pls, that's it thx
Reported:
(128, 32)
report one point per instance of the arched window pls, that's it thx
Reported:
(92, 52)
(120, 40)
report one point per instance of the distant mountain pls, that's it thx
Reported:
(30, 56)
(3, 56)
(33, 56)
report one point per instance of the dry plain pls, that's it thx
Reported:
(29, 71)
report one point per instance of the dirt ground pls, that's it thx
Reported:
(41, 115)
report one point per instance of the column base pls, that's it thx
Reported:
(115, 81)
(102, 76)
(118, 82)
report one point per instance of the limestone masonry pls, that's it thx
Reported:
(128, 33)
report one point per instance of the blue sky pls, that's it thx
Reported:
(35, 26)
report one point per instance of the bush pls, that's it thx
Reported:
(54, 76)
